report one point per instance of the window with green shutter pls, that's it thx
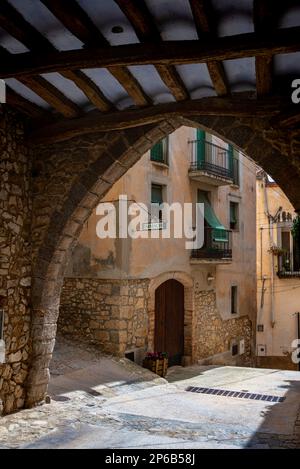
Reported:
(200, 148)
(230, 158)
(159, 152)
(234, 215)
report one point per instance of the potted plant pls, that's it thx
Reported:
(157, 362)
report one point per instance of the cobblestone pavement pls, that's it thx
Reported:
(103, 402)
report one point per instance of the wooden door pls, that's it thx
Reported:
(169, 320)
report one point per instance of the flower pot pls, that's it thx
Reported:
(158, 366)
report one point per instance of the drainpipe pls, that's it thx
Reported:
(271, 244)
(298, 324)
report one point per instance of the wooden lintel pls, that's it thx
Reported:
(97, 122)
(168, 53)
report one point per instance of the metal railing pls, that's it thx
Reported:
(288, 265)
(214, 159)
(217, 245)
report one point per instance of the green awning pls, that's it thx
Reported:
(219, 231)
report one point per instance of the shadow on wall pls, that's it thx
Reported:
(83, 263)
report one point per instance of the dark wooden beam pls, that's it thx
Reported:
(146, 30)
(51, 95)
(131, 85)
(97, 122)
(141, 20)
(262, 18)
(75, 19)
(23, 105)
(89, 88)
(168, 53)
(14, 23)
(203, 20)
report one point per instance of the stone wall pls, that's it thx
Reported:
(116, 316)
(109, 313)
(277, 363)
(213, 337)
(15, 260)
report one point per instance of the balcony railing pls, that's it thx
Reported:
(214, 160)
(217, 245)
(288, 265)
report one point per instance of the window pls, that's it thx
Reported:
(156, 194)
(159, 152)
(234, 299)
(234, 349)
(234, 216)
(157, 197)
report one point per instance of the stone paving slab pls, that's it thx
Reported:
(114, 403)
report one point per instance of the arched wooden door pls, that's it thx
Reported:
(169, 320)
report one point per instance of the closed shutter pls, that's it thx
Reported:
(200, 148)
(230, 159)
(157, 152)
(233, 216)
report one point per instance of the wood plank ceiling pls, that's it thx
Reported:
(154, 60)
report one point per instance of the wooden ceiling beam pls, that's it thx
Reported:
(23, 105)
(75, 19)
(238, 106)
(89, 88)
(51, 95)
(146, 30)
(262, 18)
(203, 20)
(14, 23)
(168, 53)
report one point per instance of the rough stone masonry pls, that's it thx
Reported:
(15, 259)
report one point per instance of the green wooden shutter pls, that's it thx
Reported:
(200, 148)
(157, 152)
(233, 217)
(230, 159)
(236, 175)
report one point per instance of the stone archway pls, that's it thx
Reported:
(99, 161)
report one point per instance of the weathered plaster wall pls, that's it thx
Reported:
(277, 338)
(15, 259)
(151, 258)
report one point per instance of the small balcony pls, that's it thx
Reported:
(217, 248)
(213, 164)
(288, 265)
